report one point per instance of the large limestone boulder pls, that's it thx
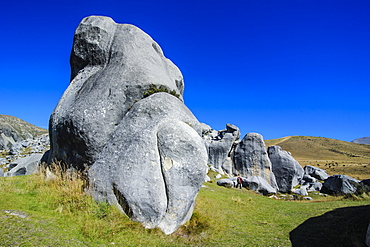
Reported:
(288, 172)
(251, 159)
(258, 184)
(226, 182)
(339, 185)
(156, 178)
(142, 149)
(113, 65)
(316, 172)
(24, 166)
(220, 148)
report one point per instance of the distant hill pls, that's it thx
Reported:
(13, 129)
(335, 156)
(309, 148)
(362, 140)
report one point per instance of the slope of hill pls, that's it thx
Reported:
(13, 129)
(362, 140)
(335, 156)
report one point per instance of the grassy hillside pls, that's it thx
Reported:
(59, 214)
(337, 157)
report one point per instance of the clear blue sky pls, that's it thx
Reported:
(279, 68)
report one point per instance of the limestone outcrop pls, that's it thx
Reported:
(288, 172)
(340, 185)
(156, 179)
(251, 159)
(142, 148)
(220, 147)
(113, 66)
(24, 166)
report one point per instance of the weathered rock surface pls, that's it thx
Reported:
(24, 166)
(288, 172)
(113, 65)
(340, 184)
(259, 184)
(302, 191)
(366, 182)
(226, 182)
(316, 172)
(143, 149)
(220, 148)
(157, 177)
(251, 159)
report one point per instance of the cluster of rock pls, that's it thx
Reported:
(269, 170)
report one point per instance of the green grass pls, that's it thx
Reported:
(60, 214)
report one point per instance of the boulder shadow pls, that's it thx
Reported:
(340, 227)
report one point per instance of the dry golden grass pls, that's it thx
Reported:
(335, 156)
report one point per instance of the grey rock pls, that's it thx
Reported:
(218, 176)
(308, 198)
(339, 185)
(258, 184)
(3, 161)
(288, 172)
(157, 177)
(366, 182)
(301, 191)
(24, 166)
(220, 148)
(113, 65)
(1, 172)
(207, 178)
(226, 182)
(316, 172)
(308, 179)
(316, 186)
(251, 159)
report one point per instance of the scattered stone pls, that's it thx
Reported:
(218, 176)
(16, 213)
(308, 198)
